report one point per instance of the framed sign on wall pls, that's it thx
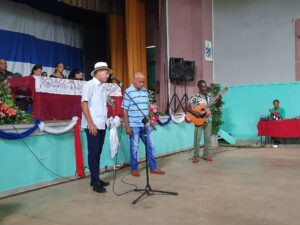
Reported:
(208, 51)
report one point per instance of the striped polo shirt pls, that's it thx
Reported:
(140, 98)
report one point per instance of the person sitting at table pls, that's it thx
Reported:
(76, 75)
(22, 101)
(17, 75)
(277, 113)
(4, 73)
(36, 70)
(58, 72)
(44, 74)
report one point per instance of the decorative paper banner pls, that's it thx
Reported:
(58, 86)
(43, 127)
(163, 123)
(113, 89)
(78, 150)
(68, 87)
(180, 118)
(113, 123)
(11, 136)
(187, 120)
(154, 120)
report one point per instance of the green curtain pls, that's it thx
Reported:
(151, 68)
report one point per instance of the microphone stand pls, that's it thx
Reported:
(148, 189)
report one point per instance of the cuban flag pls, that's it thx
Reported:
(29, 37)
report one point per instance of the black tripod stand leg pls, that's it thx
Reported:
(165, 192)
(144, 193)
(140, 189)
(150, 191)
(143, 190)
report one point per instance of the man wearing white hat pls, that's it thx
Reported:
(93, 103)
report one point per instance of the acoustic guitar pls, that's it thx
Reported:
(203, 109)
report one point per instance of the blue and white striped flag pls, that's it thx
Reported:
(29, 37)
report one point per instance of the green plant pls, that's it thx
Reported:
(152, 101)
(9, 113)
(152, 97)
(216, 111)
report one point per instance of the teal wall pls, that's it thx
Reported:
(19, 168)
(244, 105)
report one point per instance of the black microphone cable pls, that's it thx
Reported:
(117, 157)
(115, 172)
(40, 162)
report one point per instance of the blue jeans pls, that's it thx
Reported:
(137, 134)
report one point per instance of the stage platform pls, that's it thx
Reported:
(241, 186)
(21, 168)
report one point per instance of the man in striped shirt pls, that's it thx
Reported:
(136, 107)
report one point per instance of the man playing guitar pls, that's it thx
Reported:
(199, 98)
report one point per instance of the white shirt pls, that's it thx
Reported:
(95, 93)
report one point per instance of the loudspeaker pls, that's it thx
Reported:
(176, 67)
(189, 70)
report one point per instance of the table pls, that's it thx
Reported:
(59, 99)
(288, 128)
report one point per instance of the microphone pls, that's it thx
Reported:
(119, 83)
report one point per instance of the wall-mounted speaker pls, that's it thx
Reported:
(181, 70)
(176, 68)
(189, 70)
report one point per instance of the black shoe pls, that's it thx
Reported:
(99, 189)
(103, 183)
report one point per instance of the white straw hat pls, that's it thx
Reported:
(100, 66)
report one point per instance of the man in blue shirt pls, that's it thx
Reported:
(136, 107)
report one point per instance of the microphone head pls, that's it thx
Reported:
(113, 77)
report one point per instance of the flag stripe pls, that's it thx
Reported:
(25, 48)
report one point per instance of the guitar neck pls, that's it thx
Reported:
(212, 101)
(216, 98)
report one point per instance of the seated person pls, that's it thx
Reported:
(36, 70)
(76, 75)
(4, 73)
(58, 73)
(20, 100)
(16, 75)
(277, 113)
(44, 74)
